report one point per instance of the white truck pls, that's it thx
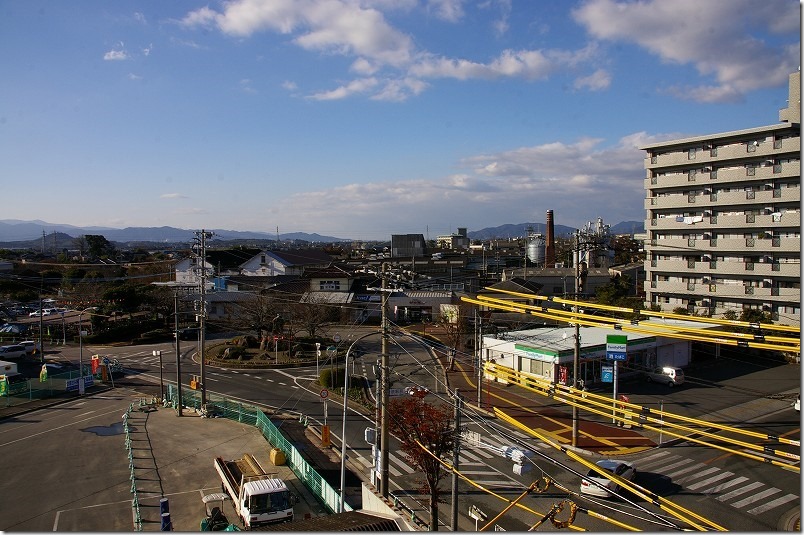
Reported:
(257, 496)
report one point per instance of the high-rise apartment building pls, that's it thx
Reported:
(723, 222)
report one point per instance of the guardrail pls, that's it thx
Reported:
(253, 415)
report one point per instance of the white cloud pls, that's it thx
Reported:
(358, 29)
(132, 76)
(528, 64)
(448, 10)
(173, 196)
(400, 90)
(147, 50)
(582, 180)
(598, 80)
(722, 39)
(115, 55)
(246, 87)
(354, 87)
(332, 26)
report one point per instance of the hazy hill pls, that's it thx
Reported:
(521, 229)
(15, 234)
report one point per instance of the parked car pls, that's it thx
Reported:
(29, 345)
(12, 352)
(669, 375)
(188, 333)
(623, 469)
(16, 383)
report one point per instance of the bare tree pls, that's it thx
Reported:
(420, 425)
(312, 313)
(453, 320)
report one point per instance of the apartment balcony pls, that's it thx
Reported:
(714, 199)
(722, 246)
(709, 268)
(725, 222)
(724, 291)
(766, 148)
(708, 176)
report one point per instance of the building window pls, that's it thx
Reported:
(751, 146)
(750, 170)
(329, 286)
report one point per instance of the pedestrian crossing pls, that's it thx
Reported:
(739, 492)
(471, 463)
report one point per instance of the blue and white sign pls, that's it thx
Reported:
(607, 374)
(616, 347)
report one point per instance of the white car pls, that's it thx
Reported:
(624, 469)
(669, 375)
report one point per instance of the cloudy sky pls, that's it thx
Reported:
(366, 118)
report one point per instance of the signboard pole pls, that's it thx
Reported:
(614, 398)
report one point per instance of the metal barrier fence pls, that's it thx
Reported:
(31, 389)
(253, 415)
(135, 502)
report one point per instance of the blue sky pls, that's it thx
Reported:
(366, 118)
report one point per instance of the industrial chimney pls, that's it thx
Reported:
(550, 244)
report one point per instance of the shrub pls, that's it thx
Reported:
(331, 379)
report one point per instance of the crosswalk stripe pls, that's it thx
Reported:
(656, 460)
(725, 485)
(772, 504)
(676, 464)
(756, 497)
(713, 479)
(400, 463)
(739, 491)
(471, 456)
(482, 452)
(676, 473)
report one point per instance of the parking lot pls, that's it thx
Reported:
(67, 465)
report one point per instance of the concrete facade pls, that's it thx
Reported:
(723, 220)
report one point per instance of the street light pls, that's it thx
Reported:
(345, 407)
(158, 353)
(81, 351)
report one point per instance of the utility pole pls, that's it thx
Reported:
(384, 434)
(577, 354)
(202, 236)
(178, 354)
(479, 352)
(456, 450)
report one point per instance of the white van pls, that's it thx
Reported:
(668, 375)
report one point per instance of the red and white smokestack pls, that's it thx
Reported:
(550, 245)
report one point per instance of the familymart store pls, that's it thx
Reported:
(549, 353)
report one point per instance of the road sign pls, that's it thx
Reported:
(616, 347)
(607, 374)
(476, 513)
(324, 393)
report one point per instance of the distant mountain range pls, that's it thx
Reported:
(23, 234)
